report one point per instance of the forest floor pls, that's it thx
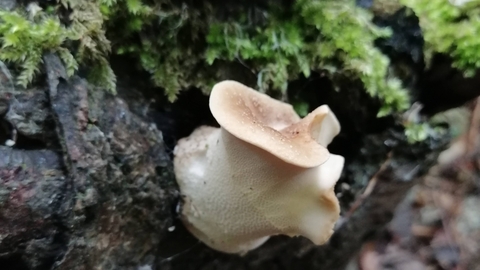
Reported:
(438, 224)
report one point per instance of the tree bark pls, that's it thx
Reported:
(100, 196)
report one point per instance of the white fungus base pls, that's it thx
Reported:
(237, 195)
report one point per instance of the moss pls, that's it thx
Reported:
(178, 44)
(385, 7)
(24, 42)
(450, 29)
(165, 38)
(314, 37)
(27, 35)
(92, 48)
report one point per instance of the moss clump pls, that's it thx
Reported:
(178, 43)
(24, 42)
(166, 38)
(27, 35)
(450, 29)
(92, 47)
(315, 36)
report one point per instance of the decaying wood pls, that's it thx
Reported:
(101, 197)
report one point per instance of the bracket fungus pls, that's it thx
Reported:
(264, 172)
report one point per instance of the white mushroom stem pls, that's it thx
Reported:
(238, 195)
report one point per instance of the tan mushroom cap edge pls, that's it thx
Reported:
(270, 124)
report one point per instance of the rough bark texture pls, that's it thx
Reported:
(101, 197)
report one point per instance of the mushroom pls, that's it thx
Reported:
(264, 172)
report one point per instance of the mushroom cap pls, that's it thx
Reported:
(272, 125)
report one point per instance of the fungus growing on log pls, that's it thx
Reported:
(264, 172)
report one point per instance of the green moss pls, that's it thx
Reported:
(451, 30)
(27, 36)
(24, 42)
(166, 38)
(92, 48)
(179, 44)
(315, 37)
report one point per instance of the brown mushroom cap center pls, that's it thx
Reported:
(268, 124)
